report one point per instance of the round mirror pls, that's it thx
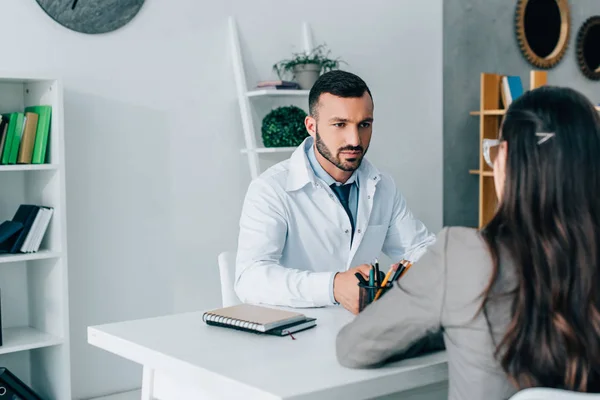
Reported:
(543, 29)
(588, 48)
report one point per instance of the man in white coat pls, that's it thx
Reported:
(309, 223)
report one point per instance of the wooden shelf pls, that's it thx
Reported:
(488, 112)
(478, 172)
(40, 255)
(277, 92)
(28, 167)
(26, 338)
(270, 150)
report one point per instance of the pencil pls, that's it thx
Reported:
(385, 281)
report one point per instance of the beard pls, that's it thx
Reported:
(348, 165)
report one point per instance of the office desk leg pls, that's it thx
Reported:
(148, 384)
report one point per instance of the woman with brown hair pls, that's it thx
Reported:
(517, 303)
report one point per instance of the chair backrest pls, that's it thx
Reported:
(227, 273)
(552, 394)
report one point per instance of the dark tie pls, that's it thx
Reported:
(343, 193)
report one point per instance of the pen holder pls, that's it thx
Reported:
(367, 294)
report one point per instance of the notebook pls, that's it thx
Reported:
(254, 318)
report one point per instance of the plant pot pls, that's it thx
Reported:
(306, 75)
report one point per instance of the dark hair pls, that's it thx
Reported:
(548, 225)
(338, 83)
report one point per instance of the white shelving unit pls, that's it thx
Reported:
(33, 287)
(252, 149)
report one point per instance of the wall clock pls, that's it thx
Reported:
(91, 16)
(543, 29)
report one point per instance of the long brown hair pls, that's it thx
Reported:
(548, 224)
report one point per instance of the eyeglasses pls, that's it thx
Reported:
(491, 146)
(490, 151)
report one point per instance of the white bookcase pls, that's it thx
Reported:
(34, 286)
(255, 103)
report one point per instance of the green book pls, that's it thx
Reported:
(10, 132)
(16, 139)
(41, 135)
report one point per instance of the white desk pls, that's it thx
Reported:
(184, 358)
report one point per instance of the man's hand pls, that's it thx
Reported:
(345, 287)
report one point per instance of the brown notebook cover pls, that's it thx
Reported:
(252, 317)
(28, 139)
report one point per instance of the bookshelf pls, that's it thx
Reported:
(34, 286)
(490, 114)
(253, 103)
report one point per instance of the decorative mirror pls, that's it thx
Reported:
(543, 29)
(588, 48)
(91, 16)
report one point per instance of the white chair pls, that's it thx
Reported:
(552, 394)
(227, 273)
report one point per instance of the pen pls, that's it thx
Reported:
(405, 270)
(377, 277)
(393, 268)
(399, 271)
(371, 284)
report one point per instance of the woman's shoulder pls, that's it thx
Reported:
(464, 248)
(461, 236)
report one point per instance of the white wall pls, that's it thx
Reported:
(155, 180)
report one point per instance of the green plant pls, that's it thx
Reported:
(284, 127)
(319, 56)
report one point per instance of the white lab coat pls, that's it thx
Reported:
(295, 235)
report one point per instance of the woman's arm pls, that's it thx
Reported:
(403, 320)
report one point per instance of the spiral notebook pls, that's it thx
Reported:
(254, 318)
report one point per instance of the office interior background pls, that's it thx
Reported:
(155, 176)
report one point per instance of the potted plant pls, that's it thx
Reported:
(284, 127)
(306, 68)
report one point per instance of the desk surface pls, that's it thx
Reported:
(261, 366)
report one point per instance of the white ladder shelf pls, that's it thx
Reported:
(251, 150)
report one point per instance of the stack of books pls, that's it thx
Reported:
(278, 85)
(24, 135)
(24, 233)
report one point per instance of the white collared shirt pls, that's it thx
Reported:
(295, 234)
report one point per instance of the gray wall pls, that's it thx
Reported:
(479, 37)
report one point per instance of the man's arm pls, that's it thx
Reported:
(407, 237)
(259, 276)
(405, 321)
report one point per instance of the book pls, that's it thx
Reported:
(293, 328)
(11, 119)
(25, 214)
(42, 133)
(3, 131)
(25, 151)
(1, 340)
(252, 317)
(512, 88)
(14, 388)
(8, 229)
(19, 124)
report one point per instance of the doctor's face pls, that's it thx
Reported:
(342, 129)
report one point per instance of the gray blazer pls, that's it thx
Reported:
(439, 295)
